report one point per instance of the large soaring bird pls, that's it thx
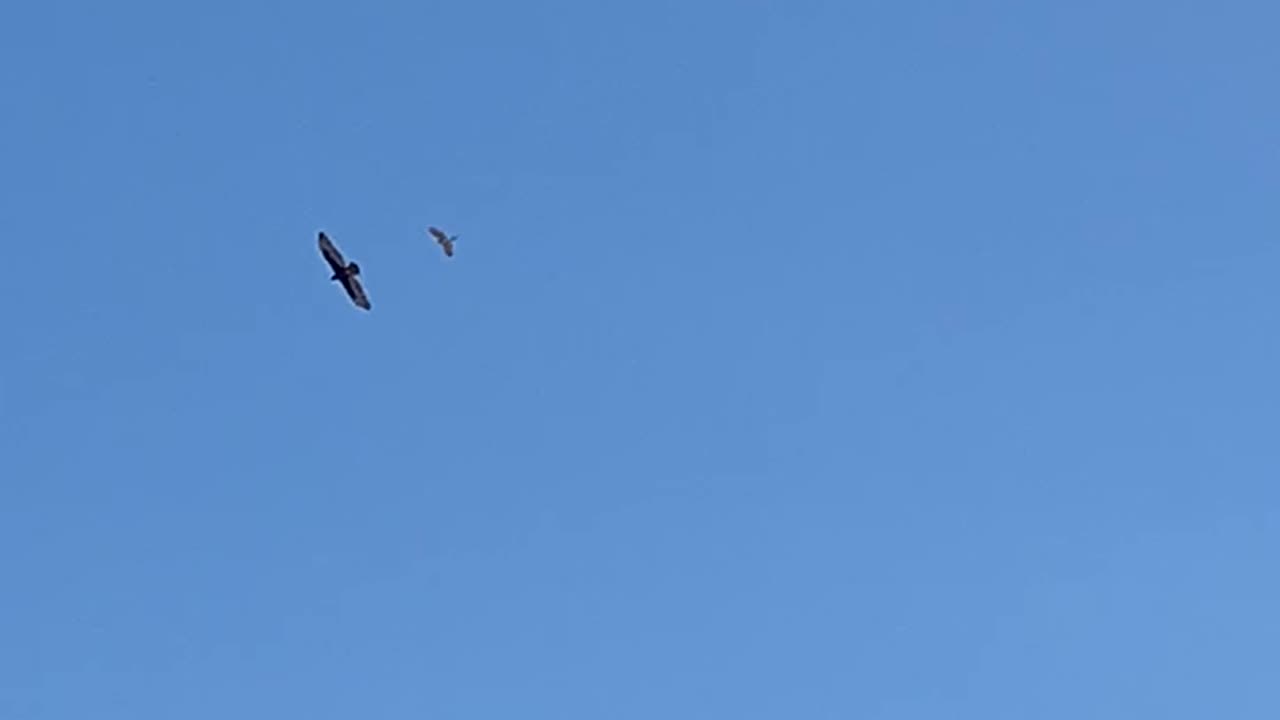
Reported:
(445, 241)
(344, 272)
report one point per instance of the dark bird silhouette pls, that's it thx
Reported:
(344, 272)
(445, 241)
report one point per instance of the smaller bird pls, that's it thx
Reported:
(344, 272)
(445, 241)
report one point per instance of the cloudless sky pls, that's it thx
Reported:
(891, 360)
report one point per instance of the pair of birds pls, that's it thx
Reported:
(348, 273)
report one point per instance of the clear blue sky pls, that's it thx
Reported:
(891, 360)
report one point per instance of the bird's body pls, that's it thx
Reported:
(344, 272)
(445, 241)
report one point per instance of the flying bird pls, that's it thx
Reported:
(445, 241)
(344, 272)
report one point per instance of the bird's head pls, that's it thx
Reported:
(353, 268)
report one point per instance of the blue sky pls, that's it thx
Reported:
(893, 360)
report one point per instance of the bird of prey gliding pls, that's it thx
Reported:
(344, 272)
(445, 241)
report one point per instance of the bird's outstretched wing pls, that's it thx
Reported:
(355, 290)
(331, 254)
